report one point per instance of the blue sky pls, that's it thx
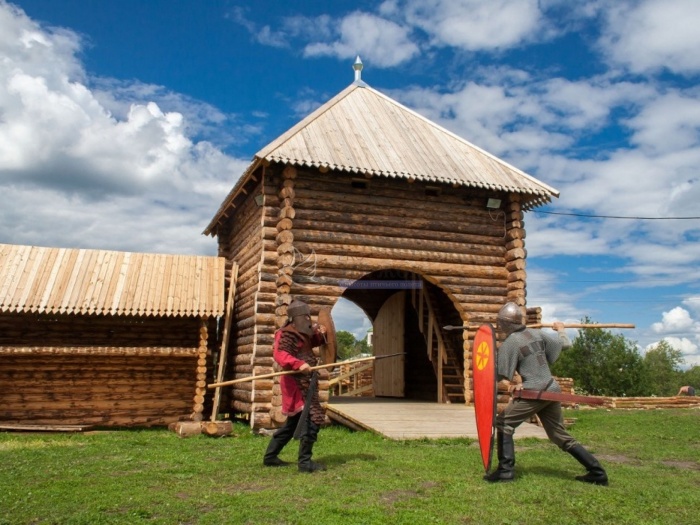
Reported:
(123, 124)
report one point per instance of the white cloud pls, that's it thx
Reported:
(693, 303)
(375, 39)
(651, 35)
(470, 24)
(676, 320)
(90, 167)
(669, 123)
(683, 333)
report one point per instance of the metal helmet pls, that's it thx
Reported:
(510, 318)
(299, 314)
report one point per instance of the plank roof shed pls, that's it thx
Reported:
(363, 131)
(106, 337)
(82, 281)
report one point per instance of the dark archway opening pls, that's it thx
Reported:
(422, 379)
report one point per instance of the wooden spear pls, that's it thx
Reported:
(290, 372)
(589, 325)
(549, 325)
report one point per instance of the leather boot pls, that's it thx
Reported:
(505, 448)
(596, 474)
(271, 458)
(305, 451)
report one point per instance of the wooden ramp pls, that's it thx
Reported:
(404, 419)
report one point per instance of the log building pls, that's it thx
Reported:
(366, 199)
(94, 337)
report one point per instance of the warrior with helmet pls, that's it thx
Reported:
(293, 350)
(530, 352)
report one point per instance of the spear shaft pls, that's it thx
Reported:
(290, 372)
(549, 325)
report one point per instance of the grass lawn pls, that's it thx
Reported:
(155, 477)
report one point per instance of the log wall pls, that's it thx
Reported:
(318, 232)
(99, 390)
(59, 369)
(21, 329)
(252, 329)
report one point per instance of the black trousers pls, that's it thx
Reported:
(285, 433)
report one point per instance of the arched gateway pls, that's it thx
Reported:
(365, 189)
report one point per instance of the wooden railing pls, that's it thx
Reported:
(350, 382)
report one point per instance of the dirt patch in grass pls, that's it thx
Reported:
(683, 465)
(619, 458)
(245, 488)
(398, 495)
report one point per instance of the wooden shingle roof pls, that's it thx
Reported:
(79, 281)
(362, 131)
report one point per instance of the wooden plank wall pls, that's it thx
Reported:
(321, 231)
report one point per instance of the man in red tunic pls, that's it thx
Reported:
(293, 350)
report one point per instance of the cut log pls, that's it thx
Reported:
(187, 428)
(217, 428)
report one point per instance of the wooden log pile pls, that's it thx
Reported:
(649, 403)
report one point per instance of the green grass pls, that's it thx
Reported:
(155, 477)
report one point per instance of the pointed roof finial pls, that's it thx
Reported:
(357, 66)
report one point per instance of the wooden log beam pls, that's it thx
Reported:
(383, 261)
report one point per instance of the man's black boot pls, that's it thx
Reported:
(596, 474)
(305, 451)
(505, 448)
(271, 458)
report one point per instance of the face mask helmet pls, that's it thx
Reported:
(510, 318)
(299, 315)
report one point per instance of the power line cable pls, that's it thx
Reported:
(617, 216)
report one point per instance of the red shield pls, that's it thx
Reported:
(484, 374)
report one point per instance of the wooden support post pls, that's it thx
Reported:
(224, 342)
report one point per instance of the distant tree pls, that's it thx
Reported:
(602, 364)
(345, 343)
(363, 347)
(663, 369)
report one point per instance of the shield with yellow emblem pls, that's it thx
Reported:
(484, 376)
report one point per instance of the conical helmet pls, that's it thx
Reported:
(300, 315)
(510, 318)
(297, 308)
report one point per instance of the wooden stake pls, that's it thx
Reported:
(224, 343)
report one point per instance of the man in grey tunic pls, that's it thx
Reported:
(530, 352)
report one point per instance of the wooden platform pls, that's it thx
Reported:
(405, 419)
